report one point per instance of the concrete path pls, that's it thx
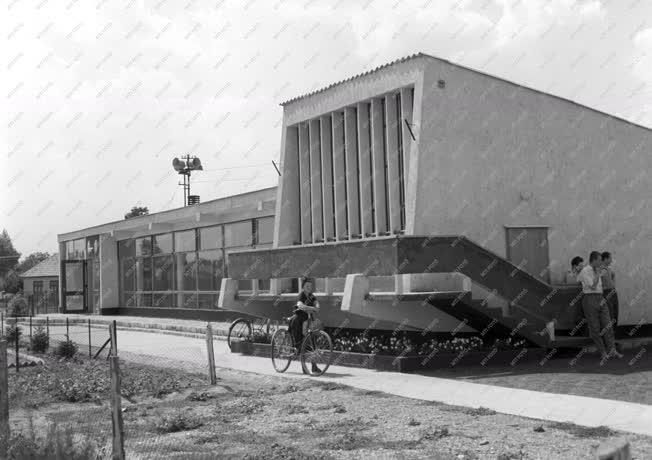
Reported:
(625, 416)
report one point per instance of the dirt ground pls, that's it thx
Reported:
(170, 413)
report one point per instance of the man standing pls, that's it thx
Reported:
(609, 288)
(595, 309)
(577, 263)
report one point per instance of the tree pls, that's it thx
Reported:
(137, 211)
(8, 258)
(31, 261)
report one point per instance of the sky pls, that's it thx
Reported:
(101, 95)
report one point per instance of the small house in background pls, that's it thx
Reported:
(41, 286)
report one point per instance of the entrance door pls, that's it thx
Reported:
(74, 286)
(527, 248)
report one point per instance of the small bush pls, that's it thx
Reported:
(12, 331)
(177, 421)
(40, 340)
(56, 444)
(67, 349)
(17, 306)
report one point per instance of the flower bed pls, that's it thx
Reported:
(390, 352)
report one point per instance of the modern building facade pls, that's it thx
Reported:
(421, 194)
(169, 263)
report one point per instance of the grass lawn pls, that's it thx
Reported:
(172, 413)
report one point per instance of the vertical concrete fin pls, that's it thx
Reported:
(365, 173)
(325, 132)
(351, 161)
(341, 227)
(304, 180)
(378, 165)
(315, 181)
(393, 175)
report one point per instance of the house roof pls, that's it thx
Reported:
(424, 55)
(49, 267)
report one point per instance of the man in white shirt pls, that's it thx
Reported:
(595, 308)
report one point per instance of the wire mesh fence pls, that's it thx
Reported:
(72, 374)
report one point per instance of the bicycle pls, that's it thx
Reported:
(315, 349)
(243, 329)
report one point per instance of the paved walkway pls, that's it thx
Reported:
(619, 415)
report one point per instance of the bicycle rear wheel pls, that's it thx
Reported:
(316, 353)
(282, 350)
(239, 331)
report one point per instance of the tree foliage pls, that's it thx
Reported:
(31, 261)
(137, 211)
(9, 280)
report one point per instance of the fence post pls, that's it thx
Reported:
(17, 345)
(211, 354)
(116, 410)
(114, 339)
(67, 329)
(47, 327)
(4, 399)
(90, 355)
(30, 328)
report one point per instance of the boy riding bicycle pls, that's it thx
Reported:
(306, 306)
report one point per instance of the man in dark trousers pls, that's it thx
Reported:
(306, 304)
(609, 288)
(595, 309)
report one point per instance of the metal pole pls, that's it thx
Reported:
(47, 327)
(30, 328)
(17, 346)
(211, 354)
(116, 410)
(4, 399)
(67, 329)
(90, 355)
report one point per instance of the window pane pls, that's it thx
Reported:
(144, 246)
(189, 300)
(163, 244)
(54, 285)
(238, 234)
(207, 301)
(187, 271)
(210, 270)
(126, 248)
(144, 300)
(128, 299)
(264, 285)
(144, 274)
(162, 300)
(210, 237)
(163, 273)
(69, 251)
(265, 228)
(92, 246)
(127, 274)
(184, 241)
(79, 249)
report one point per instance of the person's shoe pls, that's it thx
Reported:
(315, 369)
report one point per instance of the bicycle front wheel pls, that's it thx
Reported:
(316, 353)
(282, 350)
(239, 331)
